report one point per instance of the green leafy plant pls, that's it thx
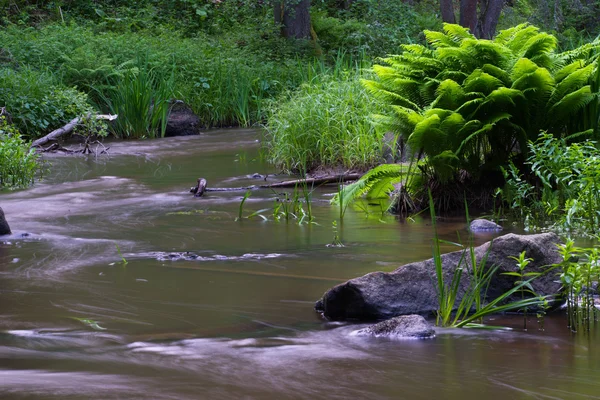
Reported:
(470, 105)
(19, 164)
(324, 123)
(521, 275)
(37, 102)
(462, 313)
(561, 192)
(142, 102)
(579, 271)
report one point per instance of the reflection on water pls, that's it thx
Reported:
(209, 307)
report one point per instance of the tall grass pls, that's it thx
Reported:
(142, 102)
(325, 123)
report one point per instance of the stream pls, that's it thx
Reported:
(94, 303)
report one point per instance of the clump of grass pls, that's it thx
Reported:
(325, 122)
(142, 102)
(123, 259)
(464, 313)
(19, 164)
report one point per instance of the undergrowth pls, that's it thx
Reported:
(325, 123)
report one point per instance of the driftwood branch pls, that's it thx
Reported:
(201, 188)
(68, 128)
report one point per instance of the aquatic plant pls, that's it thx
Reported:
(579, 272)
(336, 242)
(521, 275)
(463, 313)
(123, 259)
(561, 192)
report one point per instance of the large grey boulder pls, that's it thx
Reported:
(410, 288)
(4, 228)
(403, 327)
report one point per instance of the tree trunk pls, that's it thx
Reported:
(490, 13)
(468, 15)
(447, 9)
(294, 18)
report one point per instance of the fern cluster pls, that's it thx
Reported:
(471, 104)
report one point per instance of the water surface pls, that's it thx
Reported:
(76, 322)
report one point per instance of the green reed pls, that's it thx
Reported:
(457, 309)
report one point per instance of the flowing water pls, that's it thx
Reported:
(236, 322)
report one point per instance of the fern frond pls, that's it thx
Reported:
(571, 83)
(498, 73)
(540, 44)
(450, 95)
(571, 104)
(380, 177)
(439, 39)
(515, 37)
(481, 82)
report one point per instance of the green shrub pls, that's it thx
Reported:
(562, 189)
(472, 105)
(19, 164)
(324, 123)
(37, 103)
(225, 82)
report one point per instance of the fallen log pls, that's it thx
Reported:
(68, 128)
(201, 188)
(313, 181)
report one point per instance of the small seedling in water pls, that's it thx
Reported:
(522, 263)
(89, 322)
(336, 239)
(121, 254)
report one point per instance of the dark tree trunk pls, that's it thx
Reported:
(447, 9)
(345, 4)
(468, 15)
(490, 13)
(294, 18)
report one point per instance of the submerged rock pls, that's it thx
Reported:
(182, 121)
(483, 225)
(406, 326)
(4, 228)
(410, 288)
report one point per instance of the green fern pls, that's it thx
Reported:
(377, 183)
(465, 103)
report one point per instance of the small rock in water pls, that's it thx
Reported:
(405, 326)
(256, 175)
(483, 225)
